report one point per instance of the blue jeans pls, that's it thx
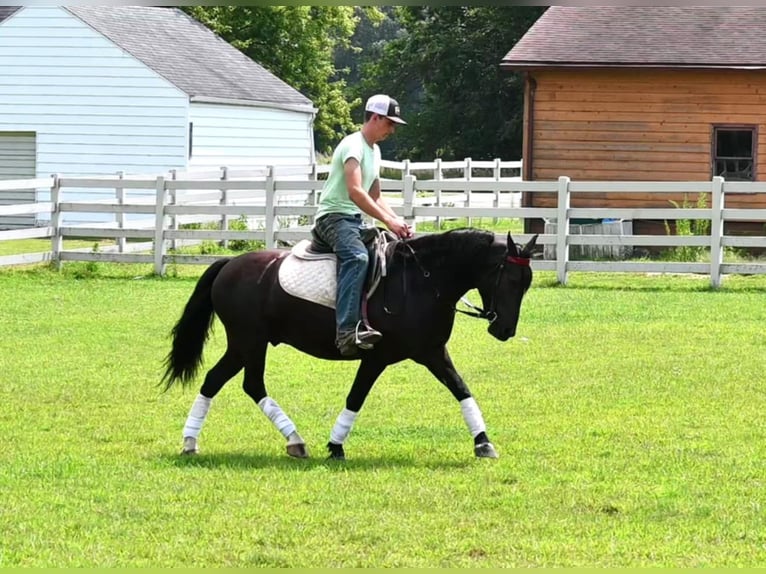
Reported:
(343, 234)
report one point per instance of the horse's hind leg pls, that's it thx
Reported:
(255, 387)
(227, 367)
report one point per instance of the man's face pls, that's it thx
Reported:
(385, 127)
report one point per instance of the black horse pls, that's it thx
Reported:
(413, 307)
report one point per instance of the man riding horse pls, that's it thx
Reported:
(353, 187)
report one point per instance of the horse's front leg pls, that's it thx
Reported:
(368, 372)
(440, 365)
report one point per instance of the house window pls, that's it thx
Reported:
(734, 152)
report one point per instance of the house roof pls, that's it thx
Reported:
(187, 54)
(654, 36)
(6, 11)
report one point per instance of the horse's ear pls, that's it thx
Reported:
(511, 246)
(527, 249)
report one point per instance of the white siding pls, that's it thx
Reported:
(242, 137)
(95, 108)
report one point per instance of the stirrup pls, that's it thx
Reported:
(366, 339)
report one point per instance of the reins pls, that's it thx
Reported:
(426, 274)
(478, 312)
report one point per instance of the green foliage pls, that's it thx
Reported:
(211, 247)
(501, 225)
(86, 269)
(623, 441)
(375, 27)
(240, 224)
(688, 227)
(440, 62)
(444, 70)
(297, 44)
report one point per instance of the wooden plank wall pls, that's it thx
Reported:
(639, 125)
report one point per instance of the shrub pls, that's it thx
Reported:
(689, 227)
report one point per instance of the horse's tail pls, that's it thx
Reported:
(191, 331)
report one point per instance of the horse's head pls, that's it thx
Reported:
(503, 288)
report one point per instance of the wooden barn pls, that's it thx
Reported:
(93, 90)
(643, 94)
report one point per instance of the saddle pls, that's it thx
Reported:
(309, 271)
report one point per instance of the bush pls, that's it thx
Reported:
(689, 227)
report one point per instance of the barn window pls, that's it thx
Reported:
(734, 152)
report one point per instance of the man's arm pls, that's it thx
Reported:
(372, 206)
(378, 198)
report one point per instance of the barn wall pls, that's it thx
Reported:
(94, 108)
(638, 125)
(243, 137)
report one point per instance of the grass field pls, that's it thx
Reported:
(628, 414)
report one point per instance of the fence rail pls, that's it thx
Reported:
(165, 204)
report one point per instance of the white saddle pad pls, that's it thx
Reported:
(309, 276)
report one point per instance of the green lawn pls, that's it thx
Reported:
(628, 414)
(19, 246)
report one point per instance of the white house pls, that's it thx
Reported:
(97, 90)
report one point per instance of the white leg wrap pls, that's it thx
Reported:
(277, 416)
(472, 416)
(342, 427)
(196, 417)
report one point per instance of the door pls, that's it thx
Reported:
(17, 161)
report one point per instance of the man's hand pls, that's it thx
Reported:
(399, 228)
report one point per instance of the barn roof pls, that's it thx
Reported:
(186, 53)
(653, 36)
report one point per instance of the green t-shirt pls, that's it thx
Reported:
(334, 197)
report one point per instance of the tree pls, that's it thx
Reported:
(297, 44)
(374, 29)
(445, 72)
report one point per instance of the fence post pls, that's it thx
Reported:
(409, 200)
(224, 201)
(496, 173)
(312, 197)
(120, 193)
(159, 227)
(173, 200)
(716, 231)
(467, 174)
(269, 223)
(438, 191)
(562, 230)
(56, 239)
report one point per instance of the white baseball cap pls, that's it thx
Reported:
(384, 106)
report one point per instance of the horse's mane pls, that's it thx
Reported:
(465, 244)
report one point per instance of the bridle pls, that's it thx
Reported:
(490, 314)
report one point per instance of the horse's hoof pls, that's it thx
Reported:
(297, 450)
(190, 446)
(485, 450)
(336, 451)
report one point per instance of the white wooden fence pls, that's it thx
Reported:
(176, 201)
